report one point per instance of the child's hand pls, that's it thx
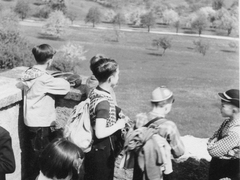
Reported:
(121, 123)
(211, 142)
(234, 153)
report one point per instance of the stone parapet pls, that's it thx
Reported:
(11, 113)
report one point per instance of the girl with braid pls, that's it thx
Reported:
(105, 120)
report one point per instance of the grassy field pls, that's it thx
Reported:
(195, 79)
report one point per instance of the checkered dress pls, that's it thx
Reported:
(227, 138)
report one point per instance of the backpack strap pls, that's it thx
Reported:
(152, 121)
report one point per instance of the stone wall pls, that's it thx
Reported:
(193, 165)
(11, 114)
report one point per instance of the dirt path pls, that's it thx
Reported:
(29, 22)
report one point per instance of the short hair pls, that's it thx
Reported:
(95, 58)
(59, 158)
(43, 53)
(163, 103)
(104, 68)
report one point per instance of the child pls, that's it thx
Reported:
(99, 162)
(92, 81)
(39, 104)
(162, 99)
(226, 140)
(7, 161)
(61, 159)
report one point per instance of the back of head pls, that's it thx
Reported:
(104, 68)
(60, 159)
(43, 53)
(95, 58)
(161, 96)
(230, 96)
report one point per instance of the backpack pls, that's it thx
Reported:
(78, 128)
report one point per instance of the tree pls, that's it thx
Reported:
(201, 46)
(72, 16)
(22, 8)
(43, 12)
(227, 20)
(217, 4)
(170, 16)
(195, 5)
(148, 20)
(94, 16)
(119, 19)
(199, 22)
(163, 42)
(57, 5)
(56, 24)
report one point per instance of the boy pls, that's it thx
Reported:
(7, 160)
(39, 104)
(162, 99)
(226, 140)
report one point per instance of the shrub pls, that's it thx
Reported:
(22, 8)
(42, 12)
(163, 42)
(69, 57)
(201, 46)
(14, 50)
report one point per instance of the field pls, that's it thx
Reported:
(195, 79)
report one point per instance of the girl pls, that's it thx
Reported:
(60, 160)
(99, 162)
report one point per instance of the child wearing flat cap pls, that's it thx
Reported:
(224, 145)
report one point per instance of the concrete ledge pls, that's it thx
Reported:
(10, 94)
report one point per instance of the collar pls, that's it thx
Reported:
(40, 68)
(101, 89)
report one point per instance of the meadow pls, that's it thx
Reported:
(195, 79)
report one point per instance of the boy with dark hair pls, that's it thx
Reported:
(7, 160)
(224, 145)
(39, 102)
(161, 99)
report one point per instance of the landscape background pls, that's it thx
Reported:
(194, 78)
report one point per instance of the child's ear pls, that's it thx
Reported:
(109, 79)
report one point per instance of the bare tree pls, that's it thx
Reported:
(119, 19)
(163, 42)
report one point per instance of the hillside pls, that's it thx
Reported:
(81, 7)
